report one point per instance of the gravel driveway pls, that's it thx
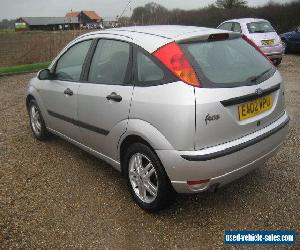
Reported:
(54, 195)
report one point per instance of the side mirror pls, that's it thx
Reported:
(45, 74)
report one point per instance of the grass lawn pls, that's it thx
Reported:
(7, 30)
(23, 68)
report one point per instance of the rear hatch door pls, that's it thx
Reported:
(240, 90)
(265, 39)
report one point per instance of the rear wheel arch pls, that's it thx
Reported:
(139, 178)
(133, 139)
(126, 143)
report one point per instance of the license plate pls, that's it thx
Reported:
(254, 108)
(267, 42)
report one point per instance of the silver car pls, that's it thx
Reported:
(260, 32)
(175, 109)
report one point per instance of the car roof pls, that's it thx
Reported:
(153, 37)
(245, 20)
(167, 31)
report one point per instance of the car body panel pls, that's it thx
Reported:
(114, 163)
(228, 126)
(146, 131)
(169, 117)
(147, 41)
(33, 91)
(105, 115)
(180, 170)
(292, 39)
(259, 37)
(170, 108)
(64, 105)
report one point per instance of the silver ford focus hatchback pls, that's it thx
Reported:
(174, 108)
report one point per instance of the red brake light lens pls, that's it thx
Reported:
(197, 182)
(255, 46)
(172, 56)
(218, 37)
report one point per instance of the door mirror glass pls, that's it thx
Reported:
(45, 74)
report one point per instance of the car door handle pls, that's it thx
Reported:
(68, 92)
(114, 97)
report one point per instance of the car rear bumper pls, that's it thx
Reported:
(273, 52)
(223, 163)
(275, 57)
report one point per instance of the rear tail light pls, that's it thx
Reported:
(172, 56)
(255, 46)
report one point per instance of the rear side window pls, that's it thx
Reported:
(110, 62)
(228, 63)
(226, 26)
(69, 66)
(147, 69)
(260, 27)
(237, 27)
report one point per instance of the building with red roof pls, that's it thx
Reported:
(86, 17)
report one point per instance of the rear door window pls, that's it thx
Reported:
(228, 63)
(226, 26)
(110, 62)
(237, 27)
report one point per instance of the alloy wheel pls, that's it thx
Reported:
(35, 120)
(143, 177)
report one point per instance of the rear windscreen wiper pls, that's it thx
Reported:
(256, 78)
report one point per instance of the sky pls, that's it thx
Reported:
(105, 8)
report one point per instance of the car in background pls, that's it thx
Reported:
(291, 40)
(260, 32)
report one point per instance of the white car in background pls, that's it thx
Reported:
(260, 32)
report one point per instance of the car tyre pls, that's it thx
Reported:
(36, 121)
(146, 178)
(286, 46)
(277, 62)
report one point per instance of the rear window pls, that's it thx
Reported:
(228, 63)
(260, 27)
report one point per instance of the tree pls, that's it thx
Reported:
(7, 24)
(124, 21)
(138, 15)
(155, 8)
(150, 13)
(229, 4)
